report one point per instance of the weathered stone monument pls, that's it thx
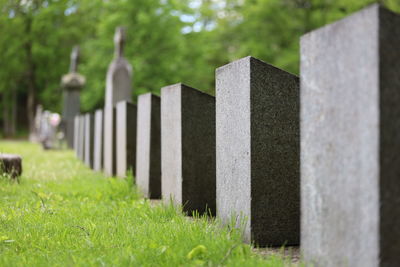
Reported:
(72, 84)
(148, 146)
(98, 140)
(118, 88)
(188, 148)
(48, 133)
(257, 140)
(125, 137)
(350, 141)
(89, 139)
(35, 135)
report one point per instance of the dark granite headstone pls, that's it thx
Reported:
(125, 138)
(148, 146)
(81, 138)
(350, 141)
(89, 139)
(98, 140)
(188, 148)
(76, 134)
(258, 151)
(10, 165)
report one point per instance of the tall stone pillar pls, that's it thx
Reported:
(118, 88)
(72, 84)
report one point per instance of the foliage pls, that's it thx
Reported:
(64, 214)
(168, 41)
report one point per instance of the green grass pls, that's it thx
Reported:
(63, 214)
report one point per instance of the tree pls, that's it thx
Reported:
(154, 47)
(168, 41)
(36, 34)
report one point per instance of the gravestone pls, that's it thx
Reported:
(258, 182)
(35, 135)
(98, 140)
(48, 134)
(10, 165)
(79, 141)
(148, 146)
(350, 164)
(118, 88)
(125, 138)
(89, 139)
(188, 148)
(76, 134)
(81, 138)
(72, 84)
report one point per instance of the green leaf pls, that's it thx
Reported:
(197, 252)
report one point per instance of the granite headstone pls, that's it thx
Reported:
(81, 138)
(89, 139)
(98, 140)
(125, 138)
(258, 151)
(76, 134)
(350, 141)
(188, 148)
(148, 146)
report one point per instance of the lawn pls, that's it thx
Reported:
(64, 214)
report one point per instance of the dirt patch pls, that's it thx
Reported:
(292, 253)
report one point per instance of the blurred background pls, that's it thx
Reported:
(168, 41)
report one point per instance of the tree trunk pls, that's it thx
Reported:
(13, 117)
(6, 115)
(31, 78)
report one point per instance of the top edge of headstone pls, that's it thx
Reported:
(99, 110)
(251, 61)
(264, 64)
(245, 60)
(374, 9)
(125, 102)
(9, 156)
(169, 87)
(238, 61)
(185, 87)
(147, 95)
(196, 91)
(177, 85)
